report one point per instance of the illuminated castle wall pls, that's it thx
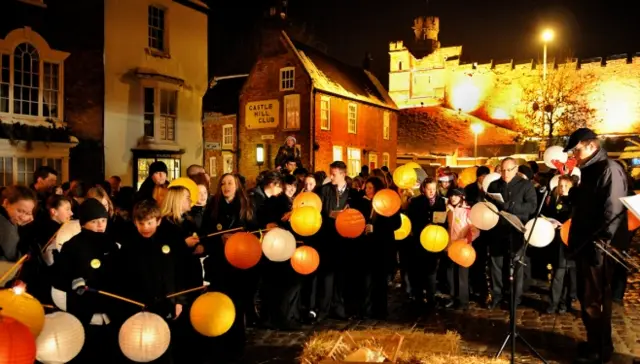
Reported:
(493, 91)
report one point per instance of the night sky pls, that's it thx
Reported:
(490, 29)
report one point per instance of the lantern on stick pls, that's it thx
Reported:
(278, 244)
(467, 176)
(554, 153)
(144, 337)
(307, 199)
(243, 250)
(488, 179)
(405, 177)
(632, 221)
(484, 216)
(386, 202)
(306, 220)
(190, 185)
(212, 314)
(305, 260)
(17, 345)
(18, 304)
(462, 253)
(434, 238)
(413, 165)
(542, 234)
(564, 232)
(405, 228)
(61, 339)
(350, 223)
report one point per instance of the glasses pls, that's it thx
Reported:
(505, 170)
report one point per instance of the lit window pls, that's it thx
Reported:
(227, 136)
(386, 129)
(20, 170)
(353, 161)
(325, 113)
(352, 119)
(385, 159)
(337, 153)
(287, 78)
(373, 161)
(213, 167)
(156, 24)
(227, 163)
(292, 111)
(160, 113)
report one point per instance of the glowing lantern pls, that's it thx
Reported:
(144, 337)
(307, 199)
(386, 202)
(243, 250)
(405, 177)
(18, 304)
(564, 232)
(462, 253)
(488, 179)
(632, 221)
(467, 176)
(350, 223)
(554, 153)
(543, 233)
(278, 245)
(61, 339)
(306, 220)
(190, 185)
(59, 298)
(305, 260)
(483, 215)
(212, 314)
(67, 231)
(17, 345)
(413, 165)
(405, 229)
(434, 238)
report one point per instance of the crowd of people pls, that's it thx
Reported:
(147, 244)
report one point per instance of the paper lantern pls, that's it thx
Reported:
(413, 165)
(67, 231)
(434, 238)
(61, 339)
(306, 220)
(144, 337)
(632, 221)
(17, 304)
(554, 182)
(305, 260)
(467, 176)
(278, 244)
(350, 223)
(543, 233)
(554, 153)
(307, 199)
(488, 179)
(243, 250)
(59, 298)
(212, 314)
(564, 232)
(386, 202)
(190, 185)
(405, 229)
(462, 253)
(405, 177)
(17, 345)
(483, 215)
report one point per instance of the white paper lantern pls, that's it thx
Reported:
(59, 298)
(144, 337)
(554, 182)
(67, 231)
(483, 217)
(543, 233)
(554, 153)
(61, 338)
(493, 176)
(278, 245)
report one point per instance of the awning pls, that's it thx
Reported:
(146, 73)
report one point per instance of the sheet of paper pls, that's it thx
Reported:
(632, 203)
(439, 217)
(513, 220)
(496, 196)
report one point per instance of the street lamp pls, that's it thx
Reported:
(547, 36)
(260, 154)
(476, 128)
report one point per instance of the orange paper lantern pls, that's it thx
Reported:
(305, 260)
(386, 202)
(632, 221)
(243, 250)
(462, 253)
(564, 232)
(307, 199)
(306, 220)
(212, 314)
(350, 223)
(18, 304)
(17, 345)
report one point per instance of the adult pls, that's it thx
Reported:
(473, 191)
(598, 215)
(158, 172)
(115, 182)
(477, 279)
(195, 170)
(45, 179)
(286, 151)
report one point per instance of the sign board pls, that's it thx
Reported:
(268, 137)
(262, 114)
(212, 146)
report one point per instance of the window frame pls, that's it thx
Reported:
(373, 158)
(165, 30)
(353, 130)
(282, 79)
(44, 161)
(296, 102)
(327, 100)
(213, 166)
(227, 156)
(352, 170)
(226, 127)
(158, 115)
(334, 149)
(386, 159)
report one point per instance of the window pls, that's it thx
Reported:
(227, 163)
(337, 153)
(353, 161)
(373, 161)
(5, 71)
(287, 78)
(386, 129)
(20, 170)
(352, 118)
(26, 80)
(6, 171)
(292, 111)
(385, 159)
(400, 66)
(227, 136)
(213, 167)
(50, 90)
(160, 113)
(156, 26)
(325, 113)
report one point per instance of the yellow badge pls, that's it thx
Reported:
(95, 263)
(166, 249)
(219, 227)
(559, 206)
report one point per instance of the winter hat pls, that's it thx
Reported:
(455, 192)
(91, 209)
(446, 178)
(292, 138)
(156, 167)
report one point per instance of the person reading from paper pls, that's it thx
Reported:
(505, 241)
(598, 215)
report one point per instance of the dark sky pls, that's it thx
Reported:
(489, 29)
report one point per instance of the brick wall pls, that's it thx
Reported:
(213, 125)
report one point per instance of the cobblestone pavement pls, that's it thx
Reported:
(482, 331)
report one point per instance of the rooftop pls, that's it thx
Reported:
(223, 95)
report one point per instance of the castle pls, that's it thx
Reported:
(425, 74)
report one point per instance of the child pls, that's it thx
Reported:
(460, 228)
(563, 284)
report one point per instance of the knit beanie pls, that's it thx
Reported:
(158, 167)
(91, 209)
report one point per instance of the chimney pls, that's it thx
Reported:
(367, 61)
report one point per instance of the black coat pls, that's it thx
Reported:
(473, 194)
(420, 213)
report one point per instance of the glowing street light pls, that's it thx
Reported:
(547, 36)
(476, 128)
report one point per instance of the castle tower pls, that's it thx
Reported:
(426, 29)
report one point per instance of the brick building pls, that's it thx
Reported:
(334, 110)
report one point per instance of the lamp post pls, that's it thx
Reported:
(476, 128)
(547, 36)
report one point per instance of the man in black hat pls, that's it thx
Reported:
(598, 215)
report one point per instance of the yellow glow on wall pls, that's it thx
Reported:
(616, 104)
(499, 114)
(465, 95)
